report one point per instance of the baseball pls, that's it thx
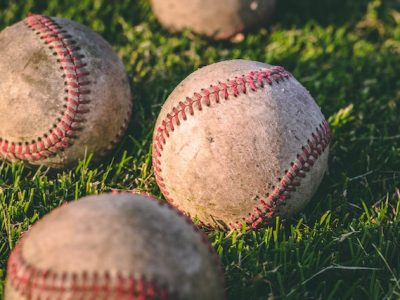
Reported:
(63, 93)
(120, 246)
(240, 142)
(216, 19)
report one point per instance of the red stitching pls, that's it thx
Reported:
(252, 81)
(70, 60)
(27, 279)
(285, 186)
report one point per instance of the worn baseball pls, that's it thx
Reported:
(63, 93)
(113, 247)
(220, 19)
(240, 142)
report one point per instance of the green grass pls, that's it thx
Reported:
(347, 53)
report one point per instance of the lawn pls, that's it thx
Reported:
(345, 244)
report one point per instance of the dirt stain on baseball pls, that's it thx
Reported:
(37, 58)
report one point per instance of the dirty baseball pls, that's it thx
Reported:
(215, 19)
(120, 246)
(240, 142)
(63, 93)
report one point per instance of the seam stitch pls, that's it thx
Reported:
(305, 160)
(27, 279)
(76, 83)
(30, 281)
(252, 81)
